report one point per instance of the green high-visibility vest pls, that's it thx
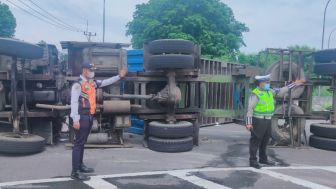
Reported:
(265, 105)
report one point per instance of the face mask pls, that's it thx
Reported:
(91, 75)
(267, 87)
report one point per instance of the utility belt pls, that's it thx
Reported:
(263, 117)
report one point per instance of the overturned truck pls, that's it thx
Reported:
(175, 93)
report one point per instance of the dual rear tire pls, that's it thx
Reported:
(172, 54)
(165, 137)
(324, 136)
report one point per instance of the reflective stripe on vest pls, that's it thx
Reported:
(88, 93)
(265, 105)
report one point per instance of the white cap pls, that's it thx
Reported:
(263, 77)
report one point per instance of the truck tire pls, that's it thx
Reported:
(171, 61)
(280, 133)
(170, 145)
(180, 129)
(323, 130)
(20, 49)
(171, 46)
(327, 55)
(325, 69)
(322, 143)
(11, 143)
(297, 73)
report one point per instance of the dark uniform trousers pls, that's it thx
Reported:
(260, 136)
(81, 137)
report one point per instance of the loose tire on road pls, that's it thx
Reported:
(297, 73)
(171, 61)
(323, 130)
(325, 69)
(11, 143)
(179, 129)
(20, 49)
(171, 46)
(170, 145)
(322, 143)
(280, 133)
(324, 56)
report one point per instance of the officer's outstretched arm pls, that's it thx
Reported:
(282, 91)
(111, 80)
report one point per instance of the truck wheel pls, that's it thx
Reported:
(322, 143)
(325, 69)
(12, 47)
(170, 145)
(297, 73)
(280, 127)
(12, 143)
(323, 130)
(171, 46)
(322, 56)
(179, 129)
(171, 61)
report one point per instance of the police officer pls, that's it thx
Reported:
(258, 119)
(83, 107)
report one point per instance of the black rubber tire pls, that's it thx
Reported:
(324, 56)
(11, 143)
(322, 143)
(179, 129)
(170, 145)
(323, 130)
(171, 46)
(296, 74)
(171, 61)
(281, 135)
(20, 49)
(325, 69)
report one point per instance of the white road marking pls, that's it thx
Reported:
(198, 181)
(34, 181)
(99, 183)
(294, 180)
(331, 169)
(265, 170)
(171, 171)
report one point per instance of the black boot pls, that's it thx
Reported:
(77, 175)
(267, 162)
(255, 164)
(85, 169)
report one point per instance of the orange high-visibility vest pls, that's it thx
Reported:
(87, 99)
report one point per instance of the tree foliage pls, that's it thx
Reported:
(263, 59)
(7, 21)
(209, 23)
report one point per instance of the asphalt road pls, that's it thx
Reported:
(221, 161)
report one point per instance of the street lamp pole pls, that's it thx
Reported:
(322, 46)
(324, 17)
(104, 22)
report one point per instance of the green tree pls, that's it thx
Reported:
(7, 21)
(263, 59)
(209, 23)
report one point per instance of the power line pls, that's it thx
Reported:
(40, 18)
(36, 16)
(43, 16)
(55, 18)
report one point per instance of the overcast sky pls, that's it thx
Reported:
(272, 23)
